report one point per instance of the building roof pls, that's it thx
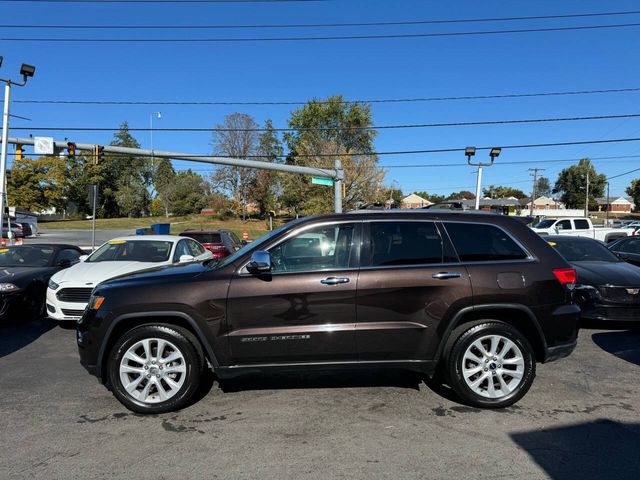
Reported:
(413, 198)
(616, 200)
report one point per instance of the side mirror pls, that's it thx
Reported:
(82, 258)
(64, 263)
(260, 262)
(186, 258)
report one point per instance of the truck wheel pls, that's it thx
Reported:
(491, 364)
(155, 368)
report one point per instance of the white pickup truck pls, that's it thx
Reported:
(580, 227)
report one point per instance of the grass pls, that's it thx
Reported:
(256, 228)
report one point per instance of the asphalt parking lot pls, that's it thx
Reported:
(580, 420)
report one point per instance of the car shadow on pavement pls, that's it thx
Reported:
(323, 379)
(18, 334)
(585, 451)
(624, 345)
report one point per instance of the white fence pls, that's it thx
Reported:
(550, 212)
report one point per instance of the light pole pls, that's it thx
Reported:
(470, 152)
(26, 71)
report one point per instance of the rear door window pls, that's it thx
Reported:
(631, 245)
(483, 243)
(564, 225)
(581, 224)
(404, 243)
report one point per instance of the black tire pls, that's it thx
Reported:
(461, 340)
(188, 347)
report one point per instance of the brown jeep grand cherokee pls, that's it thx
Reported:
(479, 297)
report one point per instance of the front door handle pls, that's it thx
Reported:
(445, 275)
(334, 280)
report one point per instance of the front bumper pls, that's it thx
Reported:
(611, 313)
(9, 300)
(63, 311)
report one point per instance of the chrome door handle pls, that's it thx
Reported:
(445, 275)
(334, 280)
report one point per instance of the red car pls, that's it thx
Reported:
(221, 243)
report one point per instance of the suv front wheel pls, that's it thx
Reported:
(155, 368)
(490, 365)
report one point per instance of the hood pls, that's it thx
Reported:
(160, 274)
(621, 274)
(16, 274)
(92, 273)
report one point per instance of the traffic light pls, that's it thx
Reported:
(98, 153)
(71, 151)
(19, 152)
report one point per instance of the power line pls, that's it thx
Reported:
(324, 129)
(513, 162)
(165, 1)
(316, 38)
(317, 25)
(383, 100)
(623, 174)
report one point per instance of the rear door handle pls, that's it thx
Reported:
(445, 275)
(334, 280)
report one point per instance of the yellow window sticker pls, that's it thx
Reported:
(4, 250)
(117, 242)
(553, 244)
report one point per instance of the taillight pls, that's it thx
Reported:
(566, 276)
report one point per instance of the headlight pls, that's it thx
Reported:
(585, 293)
(8, 287)
(53, 285)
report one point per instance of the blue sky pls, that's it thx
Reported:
(419, 67)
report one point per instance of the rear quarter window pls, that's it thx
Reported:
(483, 243)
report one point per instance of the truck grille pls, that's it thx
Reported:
(626, 295)
(74, 295)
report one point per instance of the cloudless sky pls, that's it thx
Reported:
(381, 68)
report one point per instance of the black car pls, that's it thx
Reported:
(628, 249)
(24, 273)
(607, 287)
(478, 297)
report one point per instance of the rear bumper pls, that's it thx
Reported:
(561, 332)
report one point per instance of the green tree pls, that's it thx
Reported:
(324, 131)
(543, 187)
(189, 193)
(163, 181)
(396, 195)
(462, 195)
(124, 179)
(572, 184)
(39, 184)
(634, 192)
(498, 191)
(432, 197)
(265, 185)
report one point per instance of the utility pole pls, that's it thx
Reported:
(586, 200)
(26, 71)
(94, 201)
(608, 206)
(535, 187)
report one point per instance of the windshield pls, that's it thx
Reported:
(132, 251)
(255, 244)
(584, 251)
(545, 224)
(204, 237)
(26, 256)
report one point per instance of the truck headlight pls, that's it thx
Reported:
(8, 287)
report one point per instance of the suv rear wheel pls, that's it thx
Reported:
(490, 365)
(155, 368)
